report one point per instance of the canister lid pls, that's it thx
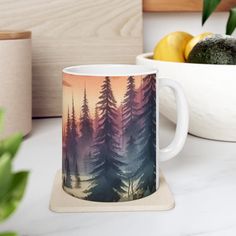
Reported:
(8, 35)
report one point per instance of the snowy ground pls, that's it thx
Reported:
(84, 185)
(78, 192)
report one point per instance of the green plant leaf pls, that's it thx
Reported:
(11, 144)
(8, 234)
(1, 118)
(208, 7)
(231, 23)
(12, 198)
(5, 174)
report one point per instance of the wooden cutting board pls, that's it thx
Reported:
(72, 32)
(182, 5)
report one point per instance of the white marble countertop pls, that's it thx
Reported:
(202, 179)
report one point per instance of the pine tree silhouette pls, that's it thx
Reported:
(131, 166)
(68, 128)
(86, 126)
(67, 177)
(147, 136)
(129, 109)
(86, 135)
(73, 145)
(130, 130)
(106, 183)
(96, 121)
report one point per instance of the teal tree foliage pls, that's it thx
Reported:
(86, 126)
(71, 149)
(130, 131)
(147, 137)
(73, 146)
(131, 167)
(106, 183)
(67, 174)
(129, 109)
(96, 120)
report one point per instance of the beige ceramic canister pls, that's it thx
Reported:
(16, 81)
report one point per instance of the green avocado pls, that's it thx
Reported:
(216, 49)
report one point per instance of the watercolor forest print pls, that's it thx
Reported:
(109, 137)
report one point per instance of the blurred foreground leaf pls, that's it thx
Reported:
(5, 174)
(11, 199)
(12, 185)
(231, 23)
(11, 145)
(208, 7)
(8, 234)
(1, 119)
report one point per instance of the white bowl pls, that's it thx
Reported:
(210, 91)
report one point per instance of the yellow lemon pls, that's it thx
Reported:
(194, 41)
(172, 47)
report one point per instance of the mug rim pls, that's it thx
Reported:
(110, 70)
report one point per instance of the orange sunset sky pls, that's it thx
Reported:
(74, 84)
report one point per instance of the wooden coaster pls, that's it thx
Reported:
(63, 202)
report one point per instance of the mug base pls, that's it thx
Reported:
(63, 202)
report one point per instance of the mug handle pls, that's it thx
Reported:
(182, 121)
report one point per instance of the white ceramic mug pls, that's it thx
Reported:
(110, 137)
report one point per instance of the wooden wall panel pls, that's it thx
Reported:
(71, 32)
(182, 5)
